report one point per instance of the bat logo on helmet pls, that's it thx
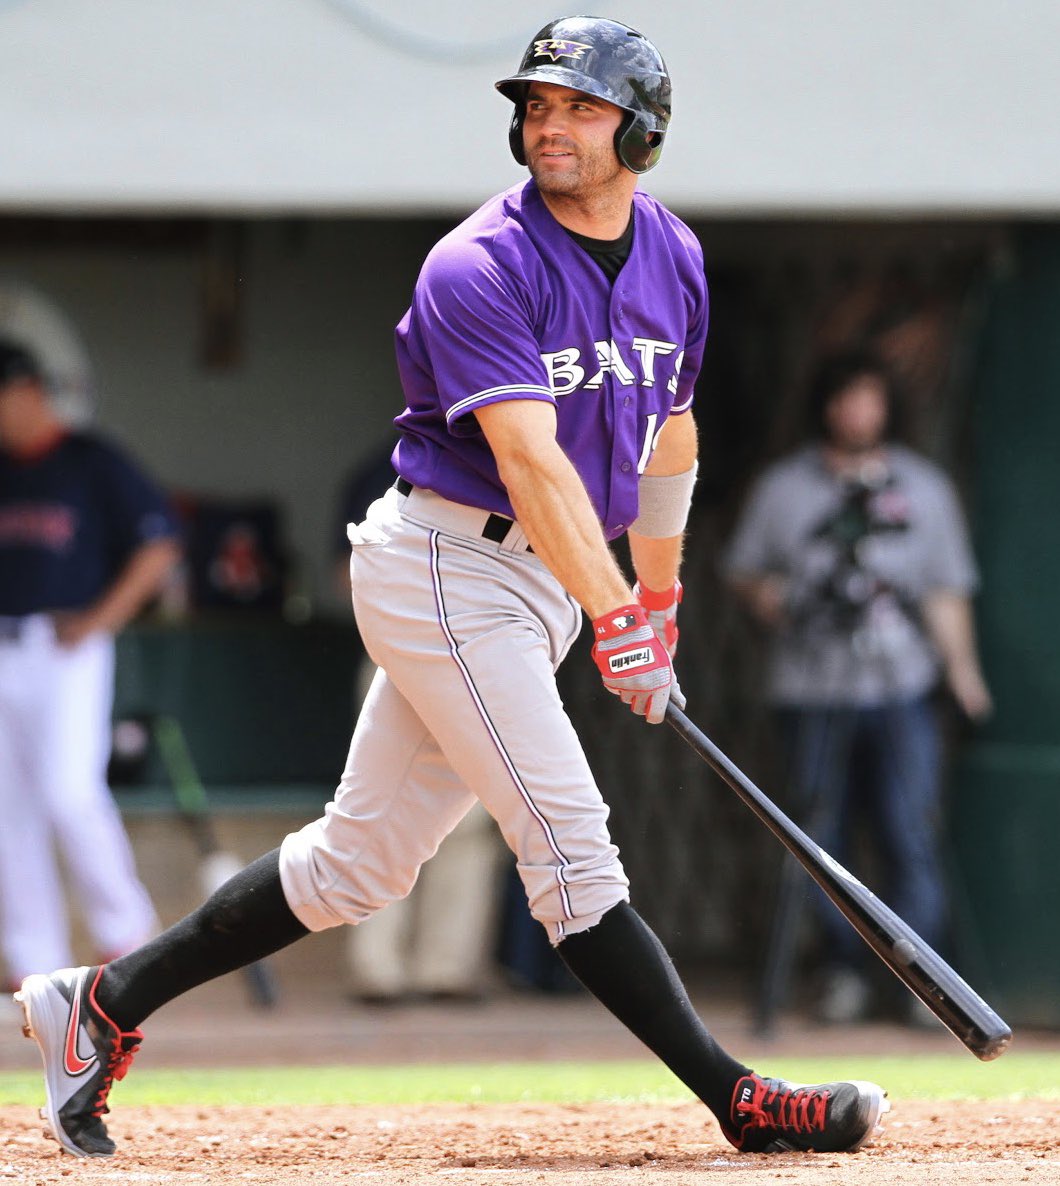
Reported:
(560, 47)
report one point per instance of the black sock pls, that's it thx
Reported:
(623, 964)
(245, 920)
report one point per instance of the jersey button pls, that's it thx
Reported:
(625, 467)
(626, 402)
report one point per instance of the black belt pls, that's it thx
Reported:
(495, 528)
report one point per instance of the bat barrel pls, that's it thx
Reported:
(920, 968)
(956, 1004)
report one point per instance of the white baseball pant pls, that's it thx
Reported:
(469, 634)
(55, 709)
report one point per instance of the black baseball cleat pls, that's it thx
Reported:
(83, 1053)
(774, 1116)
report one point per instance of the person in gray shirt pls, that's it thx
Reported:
(854, 552)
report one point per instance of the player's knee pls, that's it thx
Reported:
(572, 899)
(323, 890)
(575, 926)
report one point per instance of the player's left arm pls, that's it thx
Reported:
(140, 579)
(666, 487)
(656, 538)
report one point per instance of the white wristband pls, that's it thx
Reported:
(664, 504)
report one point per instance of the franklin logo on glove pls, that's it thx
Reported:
(630, 659)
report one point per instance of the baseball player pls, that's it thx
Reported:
(548, 361)
(85, 539)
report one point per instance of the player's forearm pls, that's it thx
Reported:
(948, 617)
(553, 508)
(656, 562)
(141, 579)
(551, 504)
(665, 497)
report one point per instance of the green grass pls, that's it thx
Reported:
(956, 1076)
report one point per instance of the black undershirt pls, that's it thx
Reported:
(610, 254)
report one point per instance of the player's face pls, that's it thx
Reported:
(857, 416)
(569, 140)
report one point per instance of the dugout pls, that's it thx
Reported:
(233, 316)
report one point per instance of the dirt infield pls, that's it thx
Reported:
(482, 1145)
(943, 1144)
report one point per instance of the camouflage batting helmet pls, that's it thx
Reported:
(609, 60)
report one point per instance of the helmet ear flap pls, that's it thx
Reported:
(515, 134)
(637, 146)
(622, 138)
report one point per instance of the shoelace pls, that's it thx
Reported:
(118, 1062)
(779, 1105)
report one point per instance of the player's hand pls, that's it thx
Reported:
(72, 627)
(662, 613)
(634, 663)
(970, 691)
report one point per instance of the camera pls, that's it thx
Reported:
(871, 505)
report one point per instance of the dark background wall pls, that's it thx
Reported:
(253, 358)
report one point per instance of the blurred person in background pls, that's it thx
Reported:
(85, 542)
(41, 327)
(437, 942)
(853, 552)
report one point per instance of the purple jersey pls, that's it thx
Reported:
(508, 306)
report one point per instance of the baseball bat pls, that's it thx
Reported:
(216, 865)
(920, 968)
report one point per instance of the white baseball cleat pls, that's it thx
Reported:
(83, 1053)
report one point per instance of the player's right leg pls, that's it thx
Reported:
(364, 857)
(83, 1051)
(85, 1020)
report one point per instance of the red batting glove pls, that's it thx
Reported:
(662, 613)
(633, 662)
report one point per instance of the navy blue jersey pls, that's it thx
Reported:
(69, 520)
(366, 482)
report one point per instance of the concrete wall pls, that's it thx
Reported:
(369, 106)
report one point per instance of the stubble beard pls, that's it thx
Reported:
(589, 177)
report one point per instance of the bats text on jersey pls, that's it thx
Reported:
(567, 374)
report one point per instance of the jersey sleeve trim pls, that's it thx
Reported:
(494, 394)
(677, 409)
